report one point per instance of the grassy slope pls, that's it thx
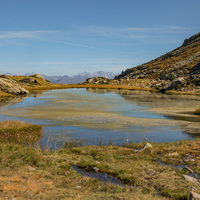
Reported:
(53, 177)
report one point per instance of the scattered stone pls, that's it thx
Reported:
(98, 80)
(96, 169)
(190, 179)
(189, 160)
(78, 187)
(194, 196)
(31, 168)
(173, 154)
(146, 146)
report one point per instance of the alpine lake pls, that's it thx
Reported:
(105, 116)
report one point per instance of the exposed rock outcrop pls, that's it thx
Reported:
(194, 196)
(12, 87)
(38, 76)
(175, 84)
(98, 80)
(28, 80)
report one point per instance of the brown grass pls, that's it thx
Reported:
(19, 132)
(53, 177)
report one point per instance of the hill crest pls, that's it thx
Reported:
(182, 62)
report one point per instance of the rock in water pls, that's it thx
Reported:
(11, 87)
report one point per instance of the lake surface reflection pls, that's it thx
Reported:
(102, 117)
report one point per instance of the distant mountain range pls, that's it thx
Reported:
(79, 78)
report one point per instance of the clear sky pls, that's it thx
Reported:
(66, 37)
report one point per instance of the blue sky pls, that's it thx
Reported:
(66, 37)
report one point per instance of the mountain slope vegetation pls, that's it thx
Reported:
(176, 70)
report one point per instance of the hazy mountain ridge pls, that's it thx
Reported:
(79, 78)
(65, 79)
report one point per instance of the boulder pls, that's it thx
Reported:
(174, 84)
(98, 80)
(194, 196)
(31, 168)
(164, 77)
(38, 76)
(11, 87)
(3, 76)
(28, 80)
(191, 179)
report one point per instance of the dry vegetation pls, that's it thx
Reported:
(197, 112)
(19, 132)
(27, 173)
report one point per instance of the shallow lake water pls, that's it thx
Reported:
(102, 117)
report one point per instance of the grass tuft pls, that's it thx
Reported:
(19, 132)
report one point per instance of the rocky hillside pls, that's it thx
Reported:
(19, 85)
(176, 70)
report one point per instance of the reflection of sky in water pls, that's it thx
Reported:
(30, 101)
(101, 137)
(82, 100)
(133, 110)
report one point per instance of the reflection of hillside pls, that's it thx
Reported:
(99, 91)
(176, 107)
(37, 94)
(146, 98)
(11, 100)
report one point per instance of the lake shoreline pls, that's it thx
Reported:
(100, 116)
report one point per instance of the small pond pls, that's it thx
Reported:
(102, 117)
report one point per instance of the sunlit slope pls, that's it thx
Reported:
(182, 63)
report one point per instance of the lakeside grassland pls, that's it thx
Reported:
(32, 173)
